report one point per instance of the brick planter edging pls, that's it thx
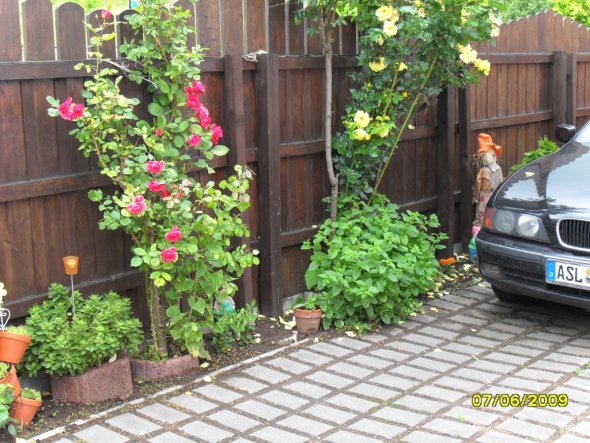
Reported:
(108, 381)
(158, 370)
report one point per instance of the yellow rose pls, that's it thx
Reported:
(402, 67)
(405, 94)
(467, 54)
(389, 28)
(384, 13)
(362, 119)
(495, 31)
(464, 16)
(422, 12)
(378, 65)
(360, 135)
(483, 66)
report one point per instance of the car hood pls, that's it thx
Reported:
(557, 183)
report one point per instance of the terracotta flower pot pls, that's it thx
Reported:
(13, 380)
(158, 370)
(13, 347)
(308, 320)
(24, 409)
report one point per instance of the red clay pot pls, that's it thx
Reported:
(158, 370)
(13, 380)
(308, 320)
(24, 409)
(108, 381)
(13, 347)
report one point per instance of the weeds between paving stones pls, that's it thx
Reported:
(273, 334)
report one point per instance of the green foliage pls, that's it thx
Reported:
(545, 147)
(234, 327)
(19, 330)
(4, 369)
(371, 263)
(523, 8)
(578, 10)
(31, 394)
(6, 400)
(63, 344)
(310, 302)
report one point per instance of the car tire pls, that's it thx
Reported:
(511, 298)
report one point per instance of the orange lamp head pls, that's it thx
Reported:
(71, 264)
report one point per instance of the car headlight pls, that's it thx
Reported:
(515, 223)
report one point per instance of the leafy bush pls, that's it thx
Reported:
(31, 394)
(545, 147)
(18, 330)
(6, 400)
(4, 368)
(371, 263)
(63, 344)
(234, 327)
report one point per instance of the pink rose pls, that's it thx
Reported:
(194, 140)
(70, 111)
(169, 255)
(155, 167)
(174, 235)
(165, 193)
(106, 14)
(196, 88)
(193, 101)
(216, 133)
(205, 121)
(159, 132)
(154, 186)
(202, 113)
(138, 205)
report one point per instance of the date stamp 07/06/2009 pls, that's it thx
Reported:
(485, 400)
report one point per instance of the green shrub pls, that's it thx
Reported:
(19, 330)
(6, 400)
(63, 344)
(234, 327)
(31, 394)
(4, 368)
(371, 263)
(545, 147)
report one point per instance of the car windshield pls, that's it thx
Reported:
(584, 135)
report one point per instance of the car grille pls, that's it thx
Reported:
(574, 234)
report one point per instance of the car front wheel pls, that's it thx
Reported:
(510, 298)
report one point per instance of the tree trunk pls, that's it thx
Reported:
(156, 320)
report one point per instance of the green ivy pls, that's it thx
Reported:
(545, 147)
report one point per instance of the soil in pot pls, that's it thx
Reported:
(160, 370)
(13, 347)
(13, 380)
(24, 409)
(307, 320)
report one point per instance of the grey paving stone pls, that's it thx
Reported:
(390, 355)
(533, 343)
(194, 404)
(507, 358)
(582, 428)
(564, 330)
(439, 332)
(63, 440)
(423, 437)
(394, 381)
(374, 338)
(575, 396)
(411, 372)
(526, 429)
(521, 350)
(424, 340)
(521, 383)
(169, 437)
(477, 375)
(458, 298)
(313, 358)
(496, 335)
(569, 438)
(163, 413)
(375, 427)
(397, 415)
(268, 375)
(553, 366)
(582, 342)
(425, 318)
(450, 356)
(430, 364)
(496, 308)
(566, 358)
(548, 336)
(459, 384)
(330, 349)
(407, 347)
(499, 437)
(579, 383)
(468, 320)
(260, 409)
(307, 389)
(473, 415)
(537, 374)
(292, 366)
(451, 427)
(133, 424)
(374, 392)
(349, 437)
(305, 425)
(230, 419)
(218, 393)
(353, 403)
(439, 393)
(330, 414)
(464, 348)
(350, 343)
(350, 370)
(575, 350)
(486, 365)
(479, 341)
(281, 398)
(505, 327)
(371, 362)
(393, 330)
(241, 440)
(100, 434)
(545, 416)
(420, 404)
(332, 380)
(276, 435)
(446, 305)
(244, 384)
(205, 432)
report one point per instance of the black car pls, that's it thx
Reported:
(535, 241)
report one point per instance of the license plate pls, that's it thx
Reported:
(567, 274)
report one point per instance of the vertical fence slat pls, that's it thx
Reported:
(559, 87)
(10, 47)
(571, 84)
(296, 31)
(125, 33)
(109, 48)
(70, 32)
(256, 26)
(277, 26)
(188, 5)
(269, 182)
(38, 30)
(233, 27)
(465, 143)
(209, 27)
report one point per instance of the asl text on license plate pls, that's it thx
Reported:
(567, 274)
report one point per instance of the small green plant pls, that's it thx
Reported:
(310, 302)
(18, 330)
(4, 368)
(64, 344)
(234, 327)
(6, 400)
(31, 394)
(371, 263)
(544, 147)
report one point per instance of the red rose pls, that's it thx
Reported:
(174, 235)
(169, 255)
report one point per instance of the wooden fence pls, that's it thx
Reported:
(271, 112)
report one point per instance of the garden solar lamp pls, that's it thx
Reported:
(4, 313)
(71, 267)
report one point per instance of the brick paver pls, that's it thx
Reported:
(411, 382)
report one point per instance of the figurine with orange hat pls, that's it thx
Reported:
(489, 174)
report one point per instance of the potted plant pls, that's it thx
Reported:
(13, 344)
(6, 400)
(85, 353)
(308, 314)
(26, 405)
(8, 375)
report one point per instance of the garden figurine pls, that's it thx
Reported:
(489, 174)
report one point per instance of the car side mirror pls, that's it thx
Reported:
(564, 133)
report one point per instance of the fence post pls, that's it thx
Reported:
(571, 88)
(466, 175)
(446, 182)
(559, 71)
(269, 182)
(235, 138)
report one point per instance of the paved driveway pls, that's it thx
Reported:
(412, 382)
